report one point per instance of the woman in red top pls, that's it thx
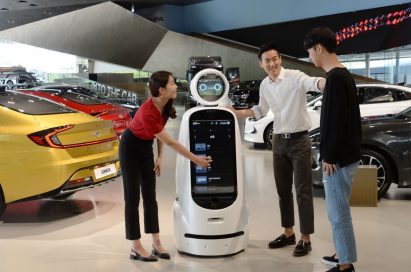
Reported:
(139, 167)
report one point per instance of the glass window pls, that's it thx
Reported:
(377, 95)
(403, 95)
(360, 94)
(29, 104)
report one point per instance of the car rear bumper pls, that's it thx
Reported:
(87, 178)
(49, 176)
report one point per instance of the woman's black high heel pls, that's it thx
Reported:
(160, 255)
(135, 256)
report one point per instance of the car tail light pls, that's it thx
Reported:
(118, 124)
(48, 137)
(78, 182)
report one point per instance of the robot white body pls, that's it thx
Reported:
(211, 216)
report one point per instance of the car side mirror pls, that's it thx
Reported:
(317, 105)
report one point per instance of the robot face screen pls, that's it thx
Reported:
(212, 133)
(210, 87)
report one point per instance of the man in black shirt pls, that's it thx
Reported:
(340, 139)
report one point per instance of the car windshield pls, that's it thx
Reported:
(29, 104)
(247, 85)
(76, 89)
(405, 113)
(82, 99)
(312, 97)
(121, 101)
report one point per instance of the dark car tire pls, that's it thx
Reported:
(318, 186)
(384, 169)
(260, 146)
(63, 196)
(2, 202)
(268, 136)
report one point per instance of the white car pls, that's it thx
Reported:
(375, 99)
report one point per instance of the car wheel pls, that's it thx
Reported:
(2, 202)
(9, 85)
(63, 196)
(384, 171)
(268, 136)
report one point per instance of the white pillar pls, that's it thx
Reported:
(397, 66)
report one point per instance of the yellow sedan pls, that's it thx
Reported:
(48, 150)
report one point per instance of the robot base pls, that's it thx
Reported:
(205, 257)
(207, 235)
(213, 248)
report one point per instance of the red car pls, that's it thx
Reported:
(118, 115)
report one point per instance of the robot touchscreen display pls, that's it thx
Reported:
(212, 134)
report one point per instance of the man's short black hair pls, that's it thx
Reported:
(323, 36)
(267, 47)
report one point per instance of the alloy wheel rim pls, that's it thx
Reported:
(270, 136)
(381, 173)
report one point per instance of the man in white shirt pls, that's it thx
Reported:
(284, 92)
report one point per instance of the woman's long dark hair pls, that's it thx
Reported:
(157, 80)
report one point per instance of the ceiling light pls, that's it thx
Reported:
(389, 19)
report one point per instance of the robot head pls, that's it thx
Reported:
(209, 87)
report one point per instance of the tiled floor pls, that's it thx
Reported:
(86, 232)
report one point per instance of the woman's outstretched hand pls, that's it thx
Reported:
(204, 162)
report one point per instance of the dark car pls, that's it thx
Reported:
(386, 144)
(191, 102)
(18, 79)
(195, 65)
(245, 94)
